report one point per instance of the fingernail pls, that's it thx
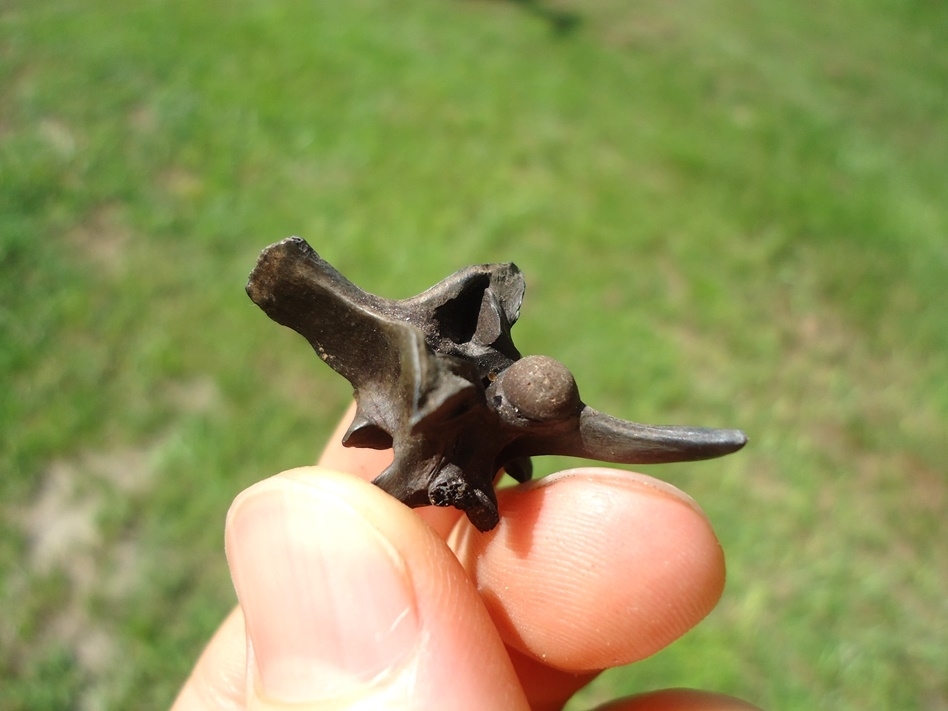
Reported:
(328, 602)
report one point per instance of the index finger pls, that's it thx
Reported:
(594, 568)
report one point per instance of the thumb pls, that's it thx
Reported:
(352, 602)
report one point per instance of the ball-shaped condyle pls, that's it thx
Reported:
(541, 388)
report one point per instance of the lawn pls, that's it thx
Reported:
(728, 213)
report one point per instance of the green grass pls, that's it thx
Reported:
(728, 213)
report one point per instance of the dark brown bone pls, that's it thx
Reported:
(438, 378)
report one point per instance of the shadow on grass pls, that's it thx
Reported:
(561, 22)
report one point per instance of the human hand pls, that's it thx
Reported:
(350, 600)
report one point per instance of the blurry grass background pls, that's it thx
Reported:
(729, 213)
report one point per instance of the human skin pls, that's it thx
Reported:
(350, 600)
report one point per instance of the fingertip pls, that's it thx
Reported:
(327, 568)
(328, 602)
(595, 568)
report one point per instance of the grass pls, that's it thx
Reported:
(728, 214)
